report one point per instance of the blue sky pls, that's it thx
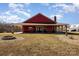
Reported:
(19, 12)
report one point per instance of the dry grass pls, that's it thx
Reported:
(37, 44)
(71, 39)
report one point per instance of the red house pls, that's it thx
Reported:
(40, 23)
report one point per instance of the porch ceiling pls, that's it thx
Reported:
(38, 24)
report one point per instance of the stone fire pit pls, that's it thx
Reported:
(8, 37)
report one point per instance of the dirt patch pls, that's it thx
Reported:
(72, 39)
(17, 38)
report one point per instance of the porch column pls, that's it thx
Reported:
(62, 28)
(59, 28)
(66, 33)
(56, 28)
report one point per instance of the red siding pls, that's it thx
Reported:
(49, 28)
(33, 29)
(28, 29)
(39, 18)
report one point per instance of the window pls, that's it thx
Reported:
(30, 28)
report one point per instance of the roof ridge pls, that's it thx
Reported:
(38, 15)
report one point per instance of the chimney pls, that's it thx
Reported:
(55, 19)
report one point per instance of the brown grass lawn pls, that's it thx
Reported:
(37, 44)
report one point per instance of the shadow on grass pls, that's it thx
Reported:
(45, 33)
(60, 33)
(73, 33)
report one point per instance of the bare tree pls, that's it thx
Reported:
(6, 27)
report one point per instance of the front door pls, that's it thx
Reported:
(39, 29)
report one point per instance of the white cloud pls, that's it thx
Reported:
(45, 4)
(59, 4)
(12, 14)
(13, 5)
(14, 18)
(7, 13)
(18, 9)
(27, 4)
(11, 19)
(69, 8)
(66, 8)
(76, 5)
(28, 10)
(24, 13)
(58, 16)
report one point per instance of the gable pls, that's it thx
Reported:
(39, 18)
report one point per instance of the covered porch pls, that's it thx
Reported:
(43, 28)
